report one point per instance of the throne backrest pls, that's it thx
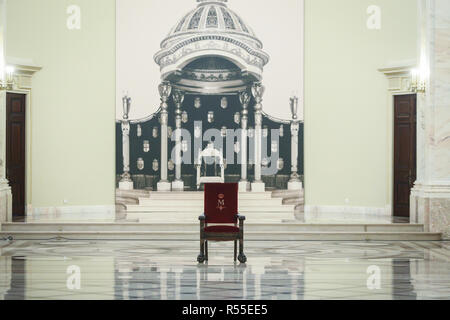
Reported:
(211, 152)
(221, 202)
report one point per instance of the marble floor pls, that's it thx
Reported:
(284, 270)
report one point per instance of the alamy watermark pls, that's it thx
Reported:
(374, 19)
(259, 142)
(374, 280)
(74, 18)
(74, 279)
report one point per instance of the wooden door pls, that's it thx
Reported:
(404, 152)
(15, 150)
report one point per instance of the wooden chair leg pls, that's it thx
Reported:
(206, 250)
(242, 258)
(201, 256)
(235, 250)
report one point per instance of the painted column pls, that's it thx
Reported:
(244, 98)
(430, 197)
(258, 92)
(126, 183)
(295, 182)
(178, 184)
(165, 90)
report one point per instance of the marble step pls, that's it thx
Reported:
(199, 202)
(123, 201)
(162, 218)
(193, 216)
(198, 208)
(189, 195)
(249, 235)
(144, 220)
(132, 193)
(193, 226)
(293, 201)
(287, 194)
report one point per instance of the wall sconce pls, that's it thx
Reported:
(7, 83)
(418, 80)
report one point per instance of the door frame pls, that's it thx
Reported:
(27, 94)
(24, 72)
(393, 147)
(399, 83)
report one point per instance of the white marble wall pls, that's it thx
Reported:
(439, 134)
(430, 198)
(5, 191)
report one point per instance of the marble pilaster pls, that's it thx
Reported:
(430, 197)
(5, 190)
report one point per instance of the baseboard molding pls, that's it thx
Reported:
(343, 213)
(72, 213)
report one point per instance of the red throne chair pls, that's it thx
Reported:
(219, 222)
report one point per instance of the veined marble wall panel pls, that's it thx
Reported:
(430, 198)
(440, 74)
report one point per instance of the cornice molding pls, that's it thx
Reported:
(24, 70)
(399, 76)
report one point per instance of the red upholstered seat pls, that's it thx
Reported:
(225, 229)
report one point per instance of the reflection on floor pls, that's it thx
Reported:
(275, 270)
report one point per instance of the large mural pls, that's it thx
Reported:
(212, 102)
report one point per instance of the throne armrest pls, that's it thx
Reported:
(241, 224)
(202, 217)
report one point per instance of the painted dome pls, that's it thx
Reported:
(212, 16)
(211, 30)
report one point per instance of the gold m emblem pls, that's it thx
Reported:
(221, 202)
